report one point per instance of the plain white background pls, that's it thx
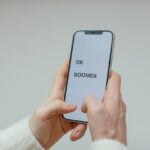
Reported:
(35, 38)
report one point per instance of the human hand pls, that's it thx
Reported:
(47, 123)
(107, 117)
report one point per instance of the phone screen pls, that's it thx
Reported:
(88, 69)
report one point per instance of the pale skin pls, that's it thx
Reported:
(47, 123)
(106, 117)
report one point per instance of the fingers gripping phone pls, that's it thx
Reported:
(89, 66)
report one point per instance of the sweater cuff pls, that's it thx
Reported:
(107, 144)
(19, 137)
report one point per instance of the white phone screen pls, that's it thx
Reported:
(88, 71)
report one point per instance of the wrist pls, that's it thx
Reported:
(35, 131)
(104, 144)
(104, 134)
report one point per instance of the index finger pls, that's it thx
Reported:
(60, 80)
(114, 83)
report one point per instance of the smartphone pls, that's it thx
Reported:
(89, 66)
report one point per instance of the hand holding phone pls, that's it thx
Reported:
(107, 119)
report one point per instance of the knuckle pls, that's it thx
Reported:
(39, 113)
(96, 110)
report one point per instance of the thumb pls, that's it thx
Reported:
(55, 107)
(88, 101)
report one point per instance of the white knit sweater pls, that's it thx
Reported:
(19, 137)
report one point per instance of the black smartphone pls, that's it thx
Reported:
(89, 67)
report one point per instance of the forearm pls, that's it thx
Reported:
(19, 137)
(107, 144)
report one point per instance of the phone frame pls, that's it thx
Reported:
(108, 71)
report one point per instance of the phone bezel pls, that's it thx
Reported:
(110, 63)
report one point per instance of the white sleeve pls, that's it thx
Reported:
(107, 144)
(19, 137)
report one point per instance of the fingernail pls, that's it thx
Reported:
(77, 133)
(72, 105)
